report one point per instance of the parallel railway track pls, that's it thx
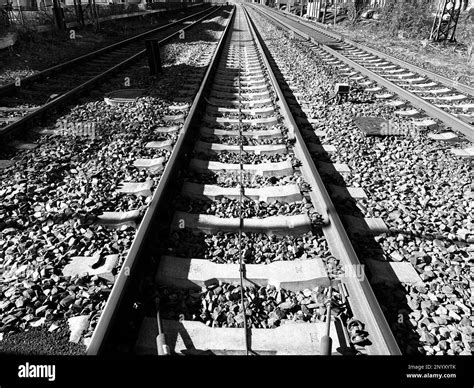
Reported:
(387, 77)
(23, 103)
(371, 170)
(251, 228)
(127, 179)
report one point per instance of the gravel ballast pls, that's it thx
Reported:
(51, 197)
(420, 190)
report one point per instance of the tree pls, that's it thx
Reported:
(470, 50)
(79, 13)
(355, 9)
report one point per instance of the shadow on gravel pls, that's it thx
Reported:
(207, 35)
(391, 294)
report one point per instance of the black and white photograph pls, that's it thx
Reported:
(268, 188)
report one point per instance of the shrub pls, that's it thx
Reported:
(414, 17)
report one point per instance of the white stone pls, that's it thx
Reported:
(443, 136)
(87, 341)
(37, 323)
(464, 153)
(53, 327)
(80, 265)
(76, 326)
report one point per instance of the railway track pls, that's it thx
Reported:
(242, 262)
(28, 99)
(431, 95)
(89, 184)
(371, 170)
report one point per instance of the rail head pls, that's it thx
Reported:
(123, 279)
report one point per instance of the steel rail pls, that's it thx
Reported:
(241, 195)
(16, 125)
(320, 28)
(44, 73)
(123, 279)
(362, 300)
(430, 109)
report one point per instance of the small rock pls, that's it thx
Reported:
(429, 338)
(40, 310)
(443, 345)
(432, 297)
(76, 326)
(454, 315)
(444, 332)
(426, 305)
(396, 256)
(38, 323)
(416, 315)
(66, 301)
(425, 321)
(286, 305)
(447, 290)
(466, 322)
(414, 304)
(53, 327)
(440, 320)
(427, 275)
(453, 334)
(441, 310)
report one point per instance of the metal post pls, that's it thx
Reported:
(161, 345)
(96, 16)
(58, 17)
(153, 53)
(335, 12)
(326, 340)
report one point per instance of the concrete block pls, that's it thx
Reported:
(136, 188)
(293, 225)
(295, 275)
(119, 218)
(284, 168)
(287, 193)
(393, 272)
(191, 337)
